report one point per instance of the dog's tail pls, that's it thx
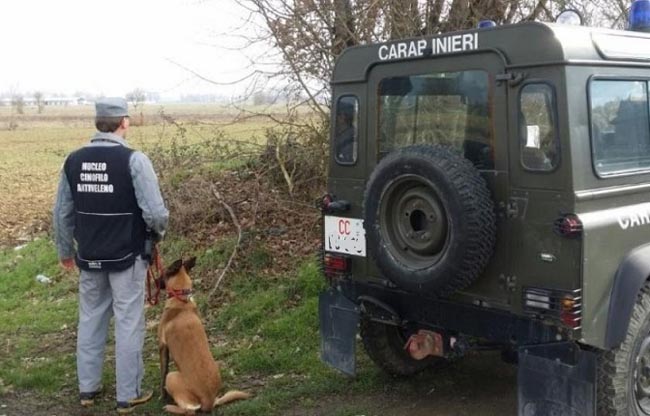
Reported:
(231, 396)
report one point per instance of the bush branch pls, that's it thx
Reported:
(235, 221)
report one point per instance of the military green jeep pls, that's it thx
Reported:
(492, 187)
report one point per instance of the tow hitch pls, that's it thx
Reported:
(425, 343)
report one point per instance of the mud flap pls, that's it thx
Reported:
(556, 380)
(339, 321)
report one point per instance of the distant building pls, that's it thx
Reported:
(63, 101)
(47, 101)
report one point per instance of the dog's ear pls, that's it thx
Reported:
(189, 264)
(173, 268)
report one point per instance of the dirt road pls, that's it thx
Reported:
(479, 385)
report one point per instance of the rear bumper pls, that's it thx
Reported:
(492, 325)
(553, 377)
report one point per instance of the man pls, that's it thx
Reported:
(107, 200)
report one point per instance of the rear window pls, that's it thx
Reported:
(448, 108)
(620, 126)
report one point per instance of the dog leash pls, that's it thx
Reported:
(155, 267)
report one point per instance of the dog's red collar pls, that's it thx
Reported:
(183, 294)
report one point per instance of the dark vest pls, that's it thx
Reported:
(109, 228)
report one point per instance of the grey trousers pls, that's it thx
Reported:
(102, 295)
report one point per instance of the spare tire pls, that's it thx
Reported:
(429, 219)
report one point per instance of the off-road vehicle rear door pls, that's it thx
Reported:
(458, 101)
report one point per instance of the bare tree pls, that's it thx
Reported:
(18, 103)
(137, 97)
(40, 104)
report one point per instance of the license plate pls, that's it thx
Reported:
(345, 235)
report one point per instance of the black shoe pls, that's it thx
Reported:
(128, 407)
(87, 399)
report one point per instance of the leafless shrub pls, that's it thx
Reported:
(296, 155)
(18, 103)
(40, 104)
(12, 124)
(288, 166)
(137, 97)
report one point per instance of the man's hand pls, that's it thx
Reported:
(67, 264)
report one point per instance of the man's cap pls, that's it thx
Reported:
(111, 107)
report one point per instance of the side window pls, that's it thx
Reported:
(538, 136)
(346, 130)
(620, 127)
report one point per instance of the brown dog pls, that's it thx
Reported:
(181, 335)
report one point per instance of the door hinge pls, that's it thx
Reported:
(512, 78)
(512, 209)
(508, 283)
(515, 207)
(509, 209)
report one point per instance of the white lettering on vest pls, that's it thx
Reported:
(93, 177)
(93, 166)
(95, 188)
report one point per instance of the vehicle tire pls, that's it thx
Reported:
(624, 372)
(385, 343)
(429, 219)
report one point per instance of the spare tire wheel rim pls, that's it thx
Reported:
(413, 221)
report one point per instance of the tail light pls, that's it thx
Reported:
(569, 226)
(335, 266)
(571, 314)
(564, 306)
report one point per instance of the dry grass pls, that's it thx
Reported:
(32, 153)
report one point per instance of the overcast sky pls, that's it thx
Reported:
(112, 47)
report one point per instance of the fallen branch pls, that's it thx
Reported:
(235, 221)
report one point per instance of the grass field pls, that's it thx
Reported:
(33, 152)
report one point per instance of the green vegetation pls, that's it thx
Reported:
(264, 332)
(36, 320)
